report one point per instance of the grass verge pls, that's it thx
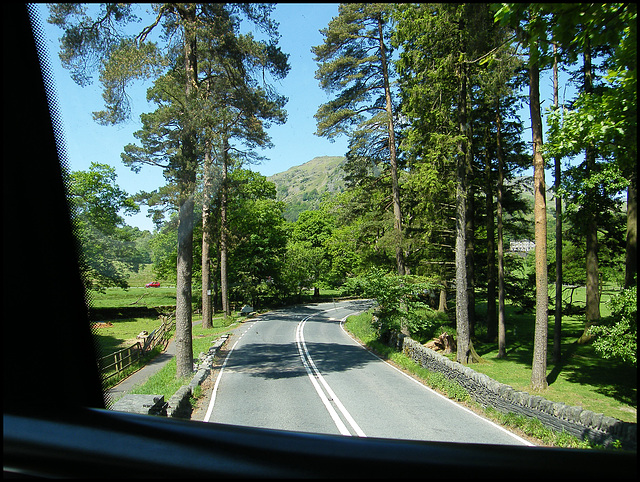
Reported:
(164, 382)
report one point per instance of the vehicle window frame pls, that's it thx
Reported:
(54, 420)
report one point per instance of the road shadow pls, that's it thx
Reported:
(276, 361)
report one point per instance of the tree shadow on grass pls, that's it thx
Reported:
(580, 365)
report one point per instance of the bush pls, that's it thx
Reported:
(617, 336)
(400, 300)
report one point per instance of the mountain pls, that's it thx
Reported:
(302, 187)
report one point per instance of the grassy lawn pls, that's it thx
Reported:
(134, 297)
(145, 275)
(122, 333)
(582, 377)
(115, 331)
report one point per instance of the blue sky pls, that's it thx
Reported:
(294, 142)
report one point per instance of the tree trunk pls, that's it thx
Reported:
(186, 183)
(183, 337)
(442, 304)
(224, 192)
(395, 187)
(502, 343)
(593, 278)
(207, 314)
(470, 237)
(631, 261)
(463, 354)
(557, 327)
(470, 221)
(539, 363)
(491, 254)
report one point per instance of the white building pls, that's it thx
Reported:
(523, 246)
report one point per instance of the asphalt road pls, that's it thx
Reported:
(297, 369)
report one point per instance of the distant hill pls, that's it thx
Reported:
(303, 187)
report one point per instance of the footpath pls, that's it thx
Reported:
(119, 397)
(141, 376)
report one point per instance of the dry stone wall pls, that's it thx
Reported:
(576, 421)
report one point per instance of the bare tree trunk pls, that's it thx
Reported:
(207, 314)
(593, 278)
(462, 302)
(491, 254)
(183, 336)
(502, 343)
(470, 237)
(557, 327)
(442, 304)
(631, 261)
(395, 187)
(463, 354)
(224, 192)
(539, 363)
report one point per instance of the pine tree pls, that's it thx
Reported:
(354, 62)
(91, 43)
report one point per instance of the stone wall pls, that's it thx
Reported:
(576, 421)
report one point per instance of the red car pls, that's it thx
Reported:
(153, 284)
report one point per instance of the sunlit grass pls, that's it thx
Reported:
(133, 297)
(581, 378)
(164, 382)
(121, 333)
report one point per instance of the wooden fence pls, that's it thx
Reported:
(115, 363)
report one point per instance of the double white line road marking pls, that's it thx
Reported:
(326, 394)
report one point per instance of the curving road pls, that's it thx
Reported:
(297, 369)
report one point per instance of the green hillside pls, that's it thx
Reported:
(303, 187)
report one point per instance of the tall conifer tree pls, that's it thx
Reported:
(355, 63)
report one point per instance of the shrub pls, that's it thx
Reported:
(617, 335)
(400, 299)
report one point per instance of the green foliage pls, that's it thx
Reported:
(520, 281)
(312, 229)
(617, 337)
(606, 117)
(164, 251)
(257, 239)
(108, 245)
(349, 63)
(401, 300)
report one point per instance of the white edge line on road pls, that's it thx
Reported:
(215, 387)
(520, 439)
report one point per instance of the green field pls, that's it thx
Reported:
(582, 377)
(134, 297)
